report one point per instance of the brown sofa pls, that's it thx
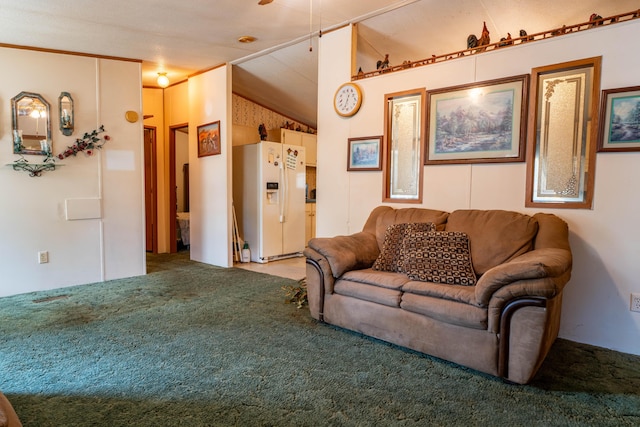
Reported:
(8, 417)
(503, 325)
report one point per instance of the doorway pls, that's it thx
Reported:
(150, 190)
(179, 183)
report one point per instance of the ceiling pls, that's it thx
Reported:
(278, 70)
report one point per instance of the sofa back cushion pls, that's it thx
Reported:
(407, 215)
(495, 236)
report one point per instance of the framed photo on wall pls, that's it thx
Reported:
(620, 119)
(364, 154)
(209, 139)
(481, 122)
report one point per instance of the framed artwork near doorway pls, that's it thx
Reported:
(209, 139)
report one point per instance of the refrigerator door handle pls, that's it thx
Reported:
(283, 191)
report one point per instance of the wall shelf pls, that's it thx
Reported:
(33, 169)
(598, 22)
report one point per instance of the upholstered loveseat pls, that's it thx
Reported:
(8, 417)
(480, 288)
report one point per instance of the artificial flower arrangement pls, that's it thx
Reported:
(89, 142)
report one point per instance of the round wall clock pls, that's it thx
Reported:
(347, 99)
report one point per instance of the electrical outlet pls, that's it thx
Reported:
(43, 257)
(635, 302)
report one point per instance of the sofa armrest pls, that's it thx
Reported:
(322, 264)
(346, 253)
(550, 264)
(8, 416)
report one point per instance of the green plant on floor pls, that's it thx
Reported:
(296, 294)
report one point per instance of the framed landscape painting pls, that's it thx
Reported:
(481, 122)
(209, 139)
(364, 154)
(620, 119)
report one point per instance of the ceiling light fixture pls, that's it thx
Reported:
(246, 39)
(163, 80)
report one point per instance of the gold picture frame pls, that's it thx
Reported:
(562, 134)
(482, 122)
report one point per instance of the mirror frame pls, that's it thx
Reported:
(18, 147)
(581, 79)
(66, 126)
(417, 130)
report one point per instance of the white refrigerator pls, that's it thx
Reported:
(269, 198)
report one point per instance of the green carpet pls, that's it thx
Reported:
(195, 345)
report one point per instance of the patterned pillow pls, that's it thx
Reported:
(390, 255)
(438, 257)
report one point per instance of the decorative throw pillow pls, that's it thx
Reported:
(438, 257)
(390, 255)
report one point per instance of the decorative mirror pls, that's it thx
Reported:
(562, 134)
(65, 108)
(31, 124)
(402, 155)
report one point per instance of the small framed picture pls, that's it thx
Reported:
(364, 154)
(620, 119)
(209, 139)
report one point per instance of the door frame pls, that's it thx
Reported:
(173, 201)
(154, 190)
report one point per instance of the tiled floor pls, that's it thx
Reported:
(291, 268)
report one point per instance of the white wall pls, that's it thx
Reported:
(604, 240)
(210, 177)
(182, 158)
(33, 216)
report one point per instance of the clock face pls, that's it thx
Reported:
(347, 100)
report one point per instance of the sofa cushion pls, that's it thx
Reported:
(438, 257)
(375, 286)
(407, 215)
(452, 312)
(381, 279)
(496, 236)
(390, 255)
(464, 294)
(362, 291)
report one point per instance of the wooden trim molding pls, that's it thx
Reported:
(68, 52)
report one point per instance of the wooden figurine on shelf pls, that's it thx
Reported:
(484, 38)
(382, 64)
(506, 41)
(262, 130)
(473, 41)
(595, 19)
(526, 38)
